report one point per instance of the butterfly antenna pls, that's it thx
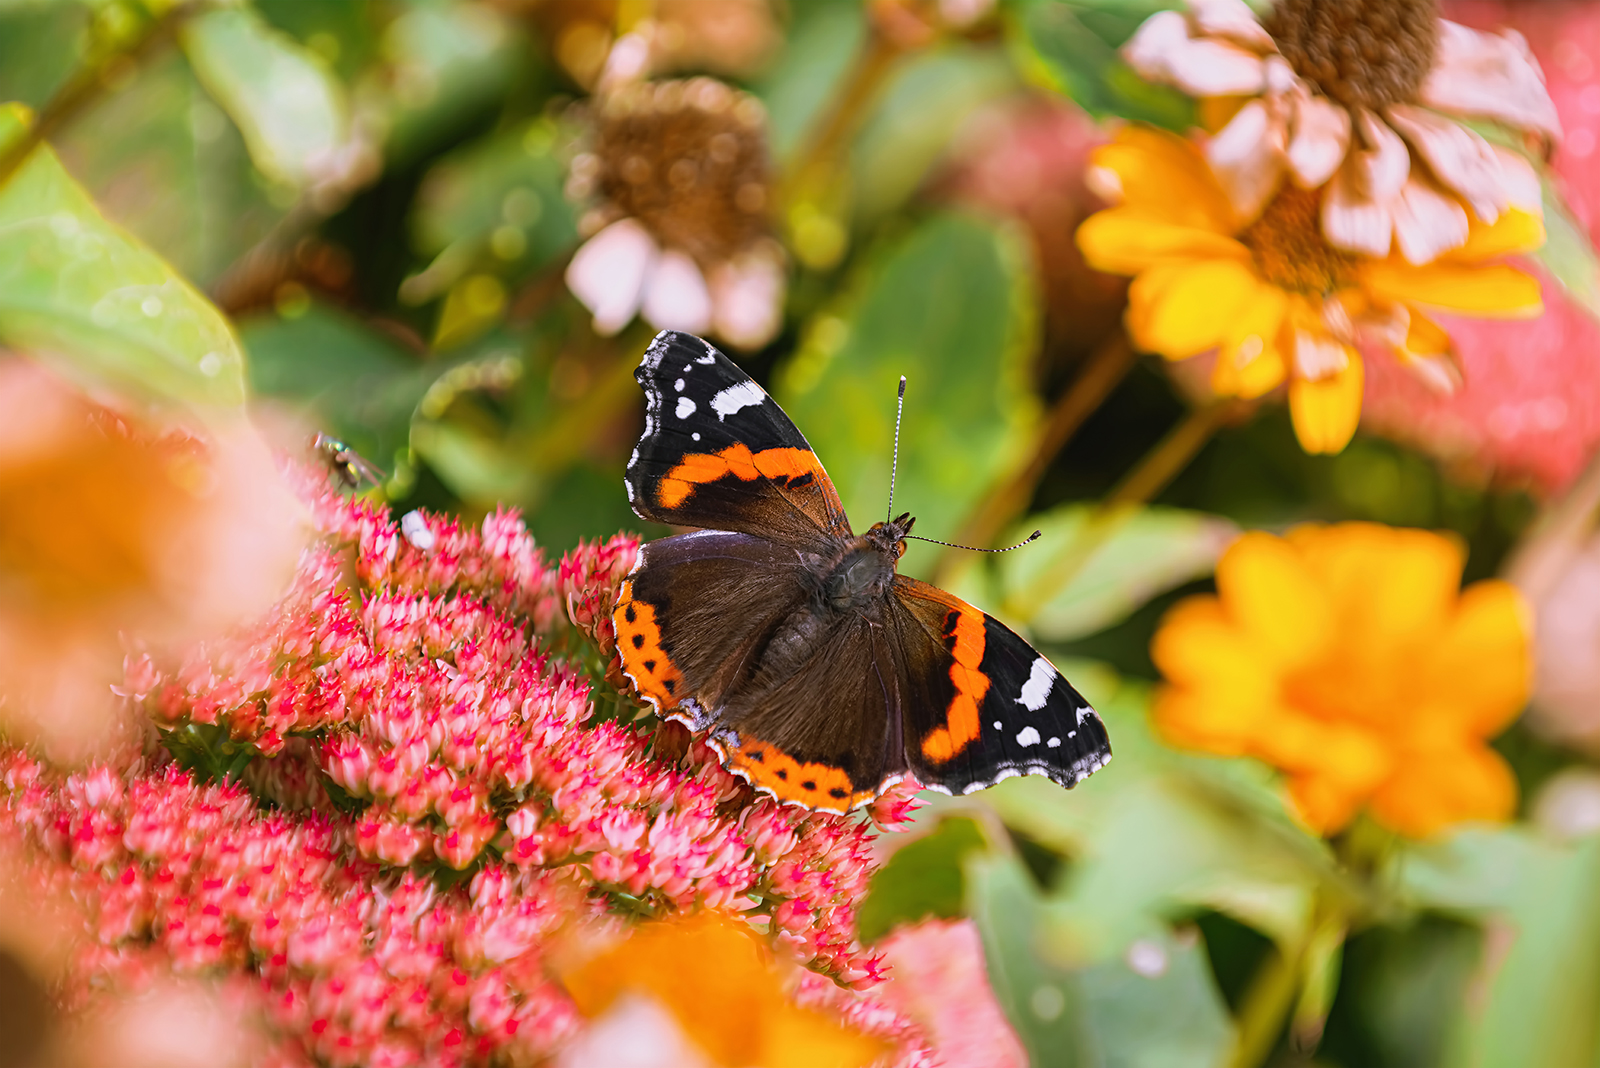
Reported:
(1035, 536)
(894, 466)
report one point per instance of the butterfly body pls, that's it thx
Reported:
(819, 672)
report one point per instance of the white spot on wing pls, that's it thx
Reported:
(996, 724)
(1036, 691)
(1027, 736)
(734, 398)
(695, 436)
(1085, 713)
(1053, 743)
(686, 408)
(678, 385)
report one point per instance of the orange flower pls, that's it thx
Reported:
(1347, 656)
(110, 528)
(719, 990)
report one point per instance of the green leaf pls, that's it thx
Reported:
(1148, 553)
(823, 38)
(1071, 47)
(78, 290)
(1536, 996)
(496, 204)
(922, 878)
(922, 107)
(1107, 1015)
(1159, 833)
(1043, 999)
(951, 306)
(349, 379)
(289, 107)
(1568, 254)
(164, 161)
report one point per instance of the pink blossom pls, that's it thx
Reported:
(404, 711)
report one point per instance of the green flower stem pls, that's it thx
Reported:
(91, 80)
(1281, 981)
(1158, 467)
(833, 129)
(1106, 367)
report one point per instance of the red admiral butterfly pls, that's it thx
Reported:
(822, 676)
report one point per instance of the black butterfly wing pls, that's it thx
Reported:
(718, 452)
(982, 704)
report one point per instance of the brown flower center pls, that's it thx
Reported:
(689, 160)
(1367, 53)
(1289, 249)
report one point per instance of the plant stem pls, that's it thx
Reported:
(86, 85)
(1105, 368)
(1159, 467)
(872, 65)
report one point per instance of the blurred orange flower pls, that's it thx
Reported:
(1348, 656)
(108, 528)
(721, 989)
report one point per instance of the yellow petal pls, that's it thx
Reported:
(1513, 232)
(1249, 363)
(1431, 792)
(1400, 586)
(1185, 311)
(1480, 670)
(1197, 646)
(1270, 595)
(1165, 175)
(1324, 806)
(1127, 240)
(1424, 337)
(1326, 412)
(1491, 291)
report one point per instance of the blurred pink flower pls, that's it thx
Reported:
(403, 706)
(1529, 409)
(1557, 567)
(942, 982)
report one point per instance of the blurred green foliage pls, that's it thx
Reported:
(369, 198)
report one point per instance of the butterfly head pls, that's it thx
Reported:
(890, 537)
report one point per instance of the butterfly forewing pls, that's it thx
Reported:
(718, 452)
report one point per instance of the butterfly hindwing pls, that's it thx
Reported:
(718, 630)
(718, 452)
(993, 706)
(695, 612)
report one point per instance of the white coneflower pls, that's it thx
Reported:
(1362, 95)
(681, 233)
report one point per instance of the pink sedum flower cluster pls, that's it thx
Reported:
(412, 708)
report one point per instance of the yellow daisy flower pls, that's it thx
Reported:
(1349, 657)
(1273, 297)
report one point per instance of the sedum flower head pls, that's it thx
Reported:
(1348, 657)
(428, 811)
(1273, 296)
(1365, 97)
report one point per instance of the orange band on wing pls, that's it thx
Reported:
(698, 468)
(787, 779)
(965, 634)
(654, 674)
